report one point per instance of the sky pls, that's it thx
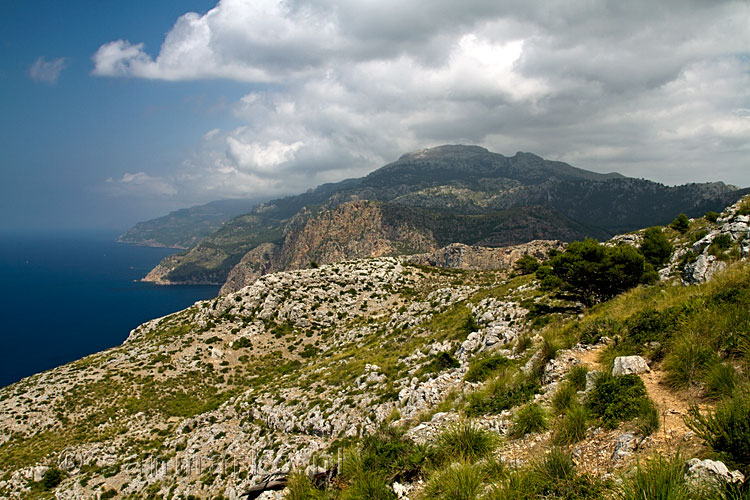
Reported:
(118, 111)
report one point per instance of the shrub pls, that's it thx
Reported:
(656, 247)
(711, 216)
(530, 418)
(387, 452)
(572, 427)
(727, 429)
(463, 441)
(52, 478)
(617, 399)
(526, 265)
(440, 362)
(648, 419)
(720, 244)
(461, 481)
(661, 479)
(480, 369)
(681, 223)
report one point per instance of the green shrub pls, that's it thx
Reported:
(52, 478)
(460, 481)
(727, 429)
(526, 265)
(616, 399)
(530, 418)
(440, 362)
(387, 452)
(661, 479)
(711, 216)
(572, 427)
(681, 223)
(480, 369)
(464, 441)
(719, 244)
(656, 247)
(648, 419)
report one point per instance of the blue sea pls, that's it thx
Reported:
(65, 296)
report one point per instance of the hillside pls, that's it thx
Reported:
(185, 227)
(420, 382)
(462, 194)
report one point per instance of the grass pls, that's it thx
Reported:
(506, 390)
(572, 427)
(463, 441)
(482, 368)
(565, 396)
(459, 481)
(660, 479)
(616, 399)
(530, 418)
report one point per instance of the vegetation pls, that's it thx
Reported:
(618, 398)
(681, 223)
(656, 247)
(530, 418)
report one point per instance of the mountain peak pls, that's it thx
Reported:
(445, 150)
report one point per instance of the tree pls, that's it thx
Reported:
(681, 223)
(656, 247)
(595, 272)
(526, 265)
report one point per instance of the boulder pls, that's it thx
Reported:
(591, 379)
(626, 365)
(711, 471)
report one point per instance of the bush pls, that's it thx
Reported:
(440, 362)
(656, 247)
(501, 393)
(461, 481)
(463, 441)
(661, 479)
(387, 452)
(616, 399)
(727, 429)
(681, 223)
(526, 265)
(52, 478)
(480, 369)
(530, 418)
(648, 419)
(369, 486)
(572, 427)
(711, 216)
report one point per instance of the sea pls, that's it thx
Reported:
(64, 296)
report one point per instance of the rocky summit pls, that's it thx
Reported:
(391, 377)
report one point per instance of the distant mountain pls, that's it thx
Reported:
(430, 198)
(185, 227)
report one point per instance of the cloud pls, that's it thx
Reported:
(336, 89)
(140, 184)
(47, 71)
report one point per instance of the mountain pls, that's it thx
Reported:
(185, 227)
(411, 379)
(447, 194)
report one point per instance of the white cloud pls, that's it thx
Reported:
(654, 90)
(140, 184)
(47, 71)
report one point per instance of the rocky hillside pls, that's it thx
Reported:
(415, 380)
(450, 194)
(185, 227)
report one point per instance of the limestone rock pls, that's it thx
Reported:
(626, 365)
(711, 471)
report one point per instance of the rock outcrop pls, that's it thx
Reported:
(460, 256)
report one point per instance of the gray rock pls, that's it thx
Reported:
(591, 379)
(702, 269)
(711, 471)
(625, 445)
(626, 365)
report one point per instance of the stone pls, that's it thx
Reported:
(591, 379)
(625, 445)
(711, 471)
(702, 269)
(626, 365)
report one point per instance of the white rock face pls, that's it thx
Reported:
(626, 365)
(711, 471)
